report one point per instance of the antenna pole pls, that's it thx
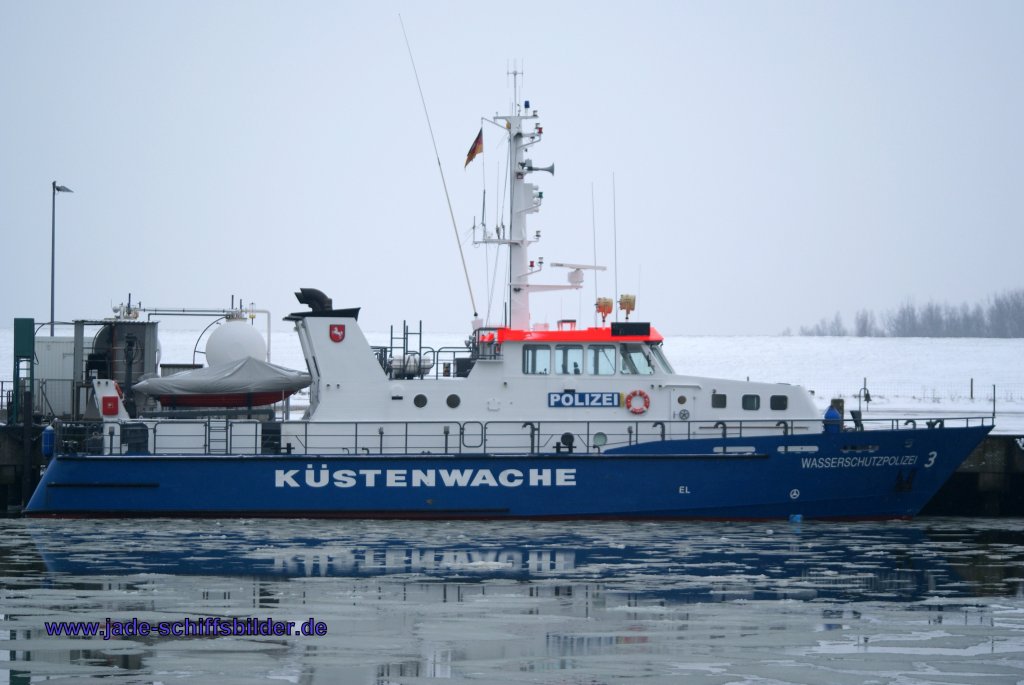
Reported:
(440, 169)
(513, 149)
(516, 73)
(615, 245)
(511, 180)
(593, 229)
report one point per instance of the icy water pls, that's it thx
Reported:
(581, 603)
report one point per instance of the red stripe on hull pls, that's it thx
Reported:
(237, 399)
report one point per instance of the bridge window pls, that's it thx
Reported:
(634, 360)
(569, 359)
(536, 359)
(779, 402)
(601, 360)
(751, 402)
(660, 356)
(718, 400)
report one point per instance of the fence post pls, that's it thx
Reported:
(27, 480)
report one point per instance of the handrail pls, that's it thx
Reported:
(249, 436)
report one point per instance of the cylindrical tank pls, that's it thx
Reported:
(234, 340)
(48, 440)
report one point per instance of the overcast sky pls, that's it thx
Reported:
(774, 162)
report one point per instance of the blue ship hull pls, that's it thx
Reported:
(848, 475)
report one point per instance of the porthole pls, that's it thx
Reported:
(420, 401)
(453, 401)
(681, 399)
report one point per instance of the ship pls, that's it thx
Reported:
(523, 421)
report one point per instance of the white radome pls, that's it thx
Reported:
(234, 340)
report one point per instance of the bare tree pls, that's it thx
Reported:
(1002, 318)
(903, 322)
(864, 324)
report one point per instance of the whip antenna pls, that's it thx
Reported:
(615, 244)
(593, 229)
(440, 170)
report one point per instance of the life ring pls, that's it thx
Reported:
(639, 408)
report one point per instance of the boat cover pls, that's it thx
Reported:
(247, 375)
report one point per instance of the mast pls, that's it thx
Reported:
(525, 199)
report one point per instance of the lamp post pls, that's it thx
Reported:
(53, 242)
(863, 394)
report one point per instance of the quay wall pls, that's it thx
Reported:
(989, 483)
(12, 464)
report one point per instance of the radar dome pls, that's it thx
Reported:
(234, 340)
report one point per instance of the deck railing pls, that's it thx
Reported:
(250, 437)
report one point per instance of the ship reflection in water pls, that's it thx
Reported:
(936, 600)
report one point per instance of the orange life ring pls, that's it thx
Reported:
(639, 408)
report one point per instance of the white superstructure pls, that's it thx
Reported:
(537, 384)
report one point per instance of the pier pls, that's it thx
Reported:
(989, 483)
(19, 446)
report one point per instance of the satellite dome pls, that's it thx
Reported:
(234, 340)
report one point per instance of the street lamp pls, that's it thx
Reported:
(53, 242)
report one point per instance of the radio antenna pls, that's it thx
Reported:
(593, 229)
(615, 244)
(518, 74)
(440, 169)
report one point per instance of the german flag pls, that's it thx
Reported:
(476, 148)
